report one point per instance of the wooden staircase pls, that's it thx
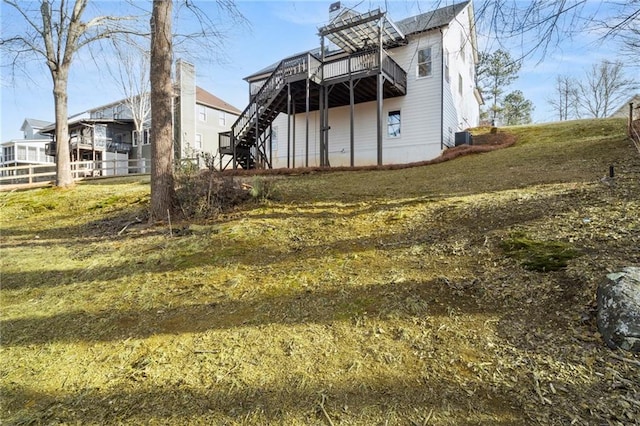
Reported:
(249, 134)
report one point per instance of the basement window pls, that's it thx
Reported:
(393, 124)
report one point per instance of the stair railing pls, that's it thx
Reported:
(269, 90)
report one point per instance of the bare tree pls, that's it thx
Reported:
(604, 87)
(163, 197)
(565, 100)
(130, 70)
(55, 32)
(540, 25)
(624, 26)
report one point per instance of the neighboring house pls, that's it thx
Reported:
(104, 142)
(107, 136)
(200, 116)
(623, 111)
(28, 151)
(376, 92)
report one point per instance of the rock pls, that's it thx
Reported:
(619, 309)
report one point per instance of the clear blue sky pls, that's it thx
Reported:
(276, 29)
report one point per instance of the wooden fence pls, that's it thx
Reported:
(44, 174)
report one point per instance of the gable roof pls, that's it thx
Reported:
(430, 20)
(205, 98)
(34, 124)
(623, 111)
(412, 25)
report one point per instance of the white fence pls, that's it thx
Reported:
(46, 173)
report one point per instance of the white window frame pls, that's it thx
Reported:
(428, 63)
(222, 118)
(146, 137)
(197, 141)
(390, 125)
(202, 113)
(446, 65)
(460, 82)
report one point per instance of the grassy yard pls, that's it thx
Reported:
(349, 298)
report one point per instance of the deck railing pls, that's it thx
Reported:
(359, 62)
(394, 71)
(364, 62)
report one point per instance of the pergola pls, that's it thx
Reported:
(355, 32)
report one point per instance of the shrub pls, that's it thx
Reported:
(207, 193)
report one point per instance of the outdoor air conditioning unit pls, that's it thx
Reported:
(463, 138)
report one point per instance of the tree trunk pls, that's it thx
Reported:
(162, 190)
(64, 178)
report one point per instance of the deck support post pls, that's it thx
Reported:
(293, 156)
(321, 104)
(257, 139)
(270, 145)
(306, 144)
(351, 119)
(288, 125)
(380, 93)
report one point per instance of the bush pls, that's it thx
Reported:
(207, 193)
(262, 189)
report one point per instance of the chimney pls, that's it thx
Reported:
(334, 10)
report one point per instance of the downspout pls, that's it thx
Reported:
(441, 89)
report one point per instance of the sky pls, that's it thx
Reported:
(273, 30)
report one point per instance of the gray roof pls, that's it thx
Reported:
(430, 20)
(35, 124)
(412, 25)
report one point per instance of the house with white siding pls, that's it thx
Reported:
(375, 92)
(31, 150)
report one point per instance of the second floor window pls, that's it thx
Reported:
(425, 66)
(202, 112)
(222, 119)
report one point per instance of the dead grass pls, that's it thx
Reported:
(356, 298)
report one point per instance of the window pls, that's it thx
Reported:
(424, 62)
(393, 124)
(202, 112)
(460, 84)
(146, 140)
(198, 142)
(134, 137)
(446, 65)
(222, 119)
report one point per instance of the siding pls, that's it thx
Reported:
(211, 127)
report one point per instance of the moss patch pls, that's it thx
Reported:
(541, 256)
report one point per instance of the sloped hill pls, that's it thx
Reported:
(372, 297)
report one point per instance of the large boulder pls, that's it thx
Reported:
(619, 309)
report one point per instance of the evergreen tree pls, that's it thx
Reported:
(496, 71)
(516, 109)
